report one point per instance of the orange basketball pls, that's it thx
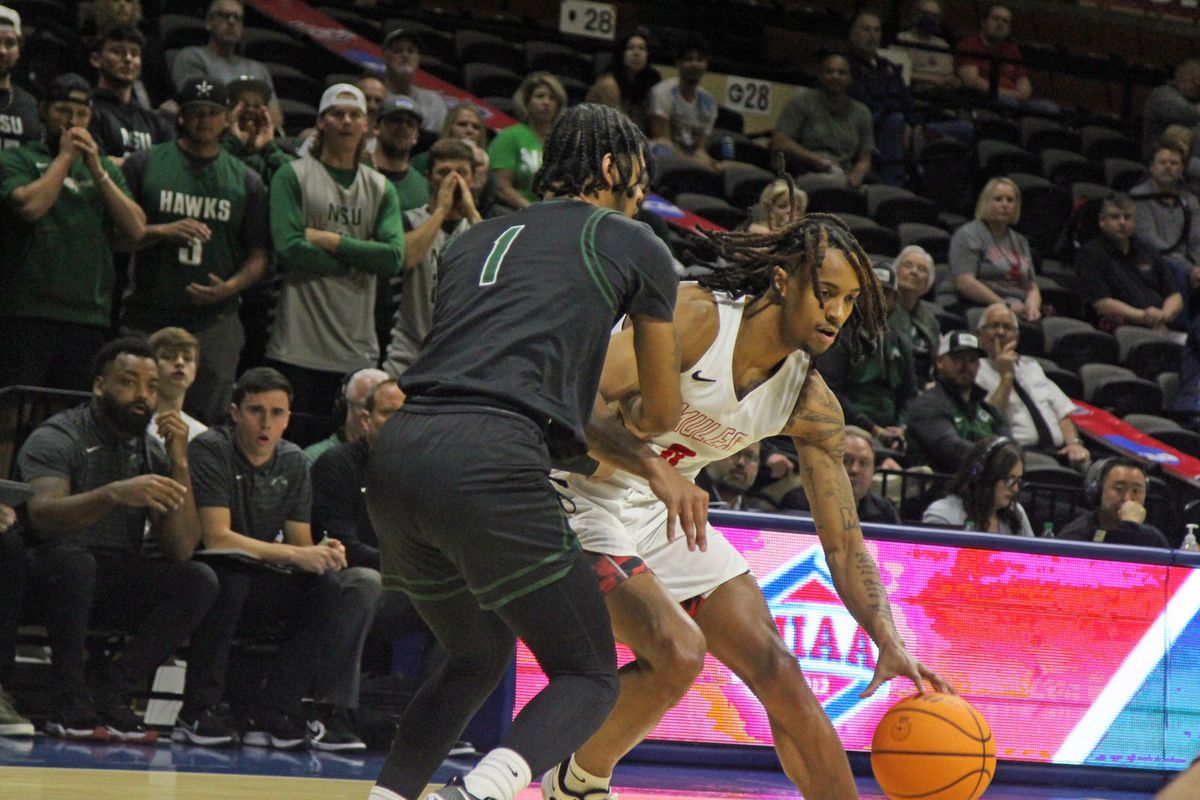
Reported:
(934, 747)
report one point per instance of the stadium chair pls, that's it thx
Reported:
(995, 157)
(831, 199)
(890, 206)
(1064, 300)
(730, 120)
(264, 44)
(438, 68)
(749, 152)
(713, 209)
(935, 240)
(505, 105)
(1071, 343)
(178, 31)
(1063, 275)
(365, 27)
(946, 174)
(1147, 353)
(990, 125)
(874, 238)
(563, 61)
(744, 184)
(949, 321)
(1169, 383)
(297, 115)
(1045, 210)
(1183, 440)
(1118, 390)
(1152, 424)
(1100, 143)
(576, 89)
(944, 294)
(1066, 380)
(1065, 167)
(1050, 473)
(1039, 134)
(1123, 174)
(295, 84)
(1084, 190)
(482, 79)
(673, 176)
(486, 48)
(338, 77)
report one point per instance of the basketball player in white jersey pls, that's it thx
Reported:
(746, 350)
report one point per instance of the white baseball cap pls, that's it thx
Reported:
(9, 18)
(343, 94)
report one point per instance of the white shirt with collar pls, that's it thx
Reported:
(1052, 401)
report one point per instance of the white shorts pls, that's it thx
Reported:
(617, 521)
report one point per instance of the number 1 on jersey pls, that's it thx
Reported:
(491, 265)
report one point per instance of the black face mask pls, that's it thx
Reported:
(927, 24)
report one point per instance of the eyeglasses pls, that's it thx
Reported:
(229, 16)
(998, 327)
(1016, 484)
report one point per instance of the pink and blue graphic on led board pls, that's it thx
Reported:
(1071, 660)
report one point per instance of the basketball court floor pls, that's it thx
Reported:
(49, 769)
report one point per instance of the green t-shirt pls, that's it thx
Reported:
(412, 189)
(518, 149)
(224, 194)
(59, 268)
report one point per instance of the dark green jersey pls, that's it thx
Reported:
(222, 193)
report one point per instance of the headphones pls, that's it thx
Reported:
(979, 467)
(339, 402)
(1093, 483)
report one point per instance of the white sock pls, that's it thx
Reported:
(579, 780)
(500, 775)
(380, 793)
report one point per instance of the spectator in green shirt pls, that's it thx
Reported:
(516, 153)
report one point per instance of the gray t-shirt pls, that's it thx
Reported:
(690, 122)
(949, 511)
(260, 499)
(201, 61)
(838, 129)
(77, 446)
(1162, 226)
(1003, 264)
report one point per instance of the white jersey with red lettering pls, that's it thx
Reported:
(620, 516)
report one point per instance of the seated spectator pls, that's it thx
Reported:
(627, 83)
(98, 481)
(205, 242)
(516, 152)
(946, 420)
(990, 260)
(219, 61)
(1167, 215)
(348, 411)
(251, 132)
(975, 64)
(1116, 489)
(879, 84)
(874, 388)
(56, 295)
(914, 318)
(1182, 138)
(154, 85)
(19, 120)
(1037, 411)
(983, 492)
(1173, 103)
(176, 351)
(729, 481)
(465, 123)
(253, 494)
(402, 59)
(12, 593)
(336, 227)
(859, 460)
(779, 204)
(933, 76)
(450, 211)
(826, 131)
(682, 113)
(1124, 281)
(120, 123)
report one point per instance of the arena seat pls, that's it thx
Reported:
(891, 206)
(935, 240)
(1119, 390)
(1071, 343)
(1147, 353)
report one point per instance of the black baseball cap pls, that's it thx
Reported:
(69, 88)
(244, 83)
(202, 91)
(401, 32)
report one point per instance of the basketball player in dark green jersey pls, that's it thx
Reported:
(458, 481)
(206, 241)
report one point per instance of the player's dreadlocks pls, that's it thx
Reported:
(572, 160)
(742, 262)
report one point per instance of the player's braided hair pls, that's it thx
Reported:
(573, 157)
(742, 262)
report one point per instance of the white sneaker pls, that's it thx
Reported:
(554, 787)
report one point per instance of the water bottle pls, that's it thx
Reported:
(1189, 539)
(1048, 530)
(728, 149)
